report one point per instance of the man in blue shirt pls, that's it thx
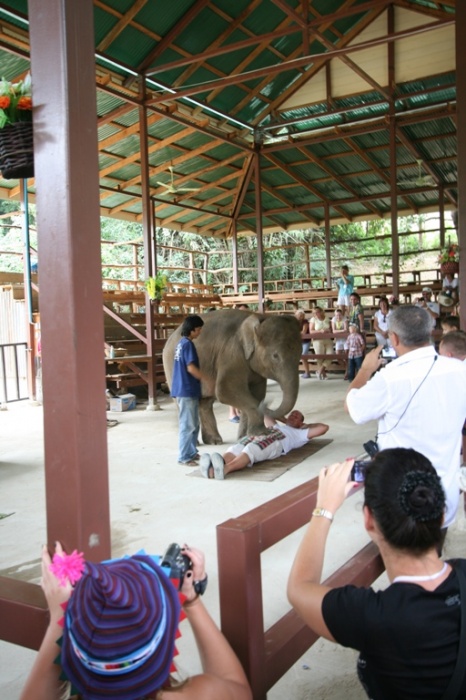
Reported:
(186, 388)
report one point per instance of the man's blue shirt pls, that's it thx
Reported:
(183, 383)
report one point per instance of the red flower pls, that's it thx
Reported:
(4, 101)
(24, 102)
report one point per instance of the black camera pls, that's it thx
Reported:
(371, 447)
(176, 563)
(358, 471)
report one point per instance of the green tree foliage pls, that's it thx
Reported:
(364, 246)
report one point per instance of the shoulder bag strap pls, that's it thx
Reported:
(454, 686)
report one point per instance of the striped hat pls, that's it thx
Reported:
(119, 629)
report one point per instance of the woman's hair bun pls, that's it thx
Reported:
(421, 496)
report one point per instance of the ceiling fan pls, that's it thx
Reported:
(171, 188)
(421, 180)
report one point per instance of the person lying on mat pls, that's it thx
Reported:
(282, 436)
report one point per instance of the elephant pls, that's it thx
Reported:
(238, 351)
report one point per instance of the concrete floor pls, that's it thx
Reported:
(154, 502)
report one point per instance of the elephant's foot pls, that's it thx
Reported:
(211, 438)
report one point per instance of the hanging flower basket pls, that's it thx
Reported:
(449, 268)
(17, 150)
(16, 141)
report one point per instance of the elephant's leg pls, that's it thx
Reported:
(209, 431)
(234, 390)
(254, 419)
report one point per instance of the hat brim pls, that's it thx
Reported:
(137, 683)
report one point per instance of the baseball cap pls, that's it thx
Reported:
(427, 290)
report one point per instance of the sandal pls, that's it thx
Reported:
(218, 465)
(111, 423)
(191, 463)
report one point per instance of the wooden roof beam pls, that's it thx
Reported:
(296, 63)
(121, 24)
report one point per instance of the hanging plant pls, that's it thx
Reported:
(156, 285)
(16, 135)
(15, 101)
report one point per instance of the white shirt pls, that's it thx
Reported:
(294, 437)
(433, 420)
(434, 307)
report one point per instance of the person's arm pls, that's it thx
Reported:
(305, 592)
(371, 364)
(223, 677)
(43, 682)
(208, 382)
(361, 322)
(315, 429)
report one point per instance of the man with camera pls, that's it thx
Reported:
(419, 399)
(432, 308)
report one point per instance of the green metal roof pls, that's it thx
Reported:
(228, 79)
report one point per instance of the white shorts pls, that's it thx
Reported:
(339, 345)
(343, 300)
(256, 453)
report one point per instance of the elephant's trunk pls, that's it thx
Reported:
(289, 388)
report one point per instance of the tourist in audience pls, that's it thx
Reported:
(432, 308)
(356, 314)
(113, 627)
(450, 286)
(339, 325)
(234, 414)
(319, 323)
(450, 323)
(453, 344)
(186, 388)
(418, 399)
(304, 328)
(381, 323)
(345, 286)
(355, 346)
(408, 634)
(340, 328)
(282, 436)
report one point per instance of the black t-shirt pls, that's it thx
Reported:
(408, 637)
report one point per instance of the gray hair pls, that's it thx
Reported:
(412, 324)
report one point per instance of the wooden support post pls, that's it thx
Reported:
(460, 28)
(150, 260)
(68, 224)
(260, 240)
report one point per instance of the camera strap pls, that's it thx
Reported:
(410, 400)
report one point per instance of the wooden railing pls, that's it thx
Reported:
(267, 654)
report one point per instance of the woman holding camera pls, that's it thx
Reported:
(112, 633)
(409, 634)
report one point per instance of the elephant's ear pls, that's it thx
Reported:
(247, 332)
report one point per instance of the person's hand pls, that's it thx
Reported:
(372, 360)
(334, 485)
(55, 592)
(197, 573)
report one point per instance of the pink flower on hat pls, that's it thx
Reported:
(68, 567)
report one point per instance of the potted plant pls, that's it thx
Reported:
(16, 135)
(156, 285)
(449, 259)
